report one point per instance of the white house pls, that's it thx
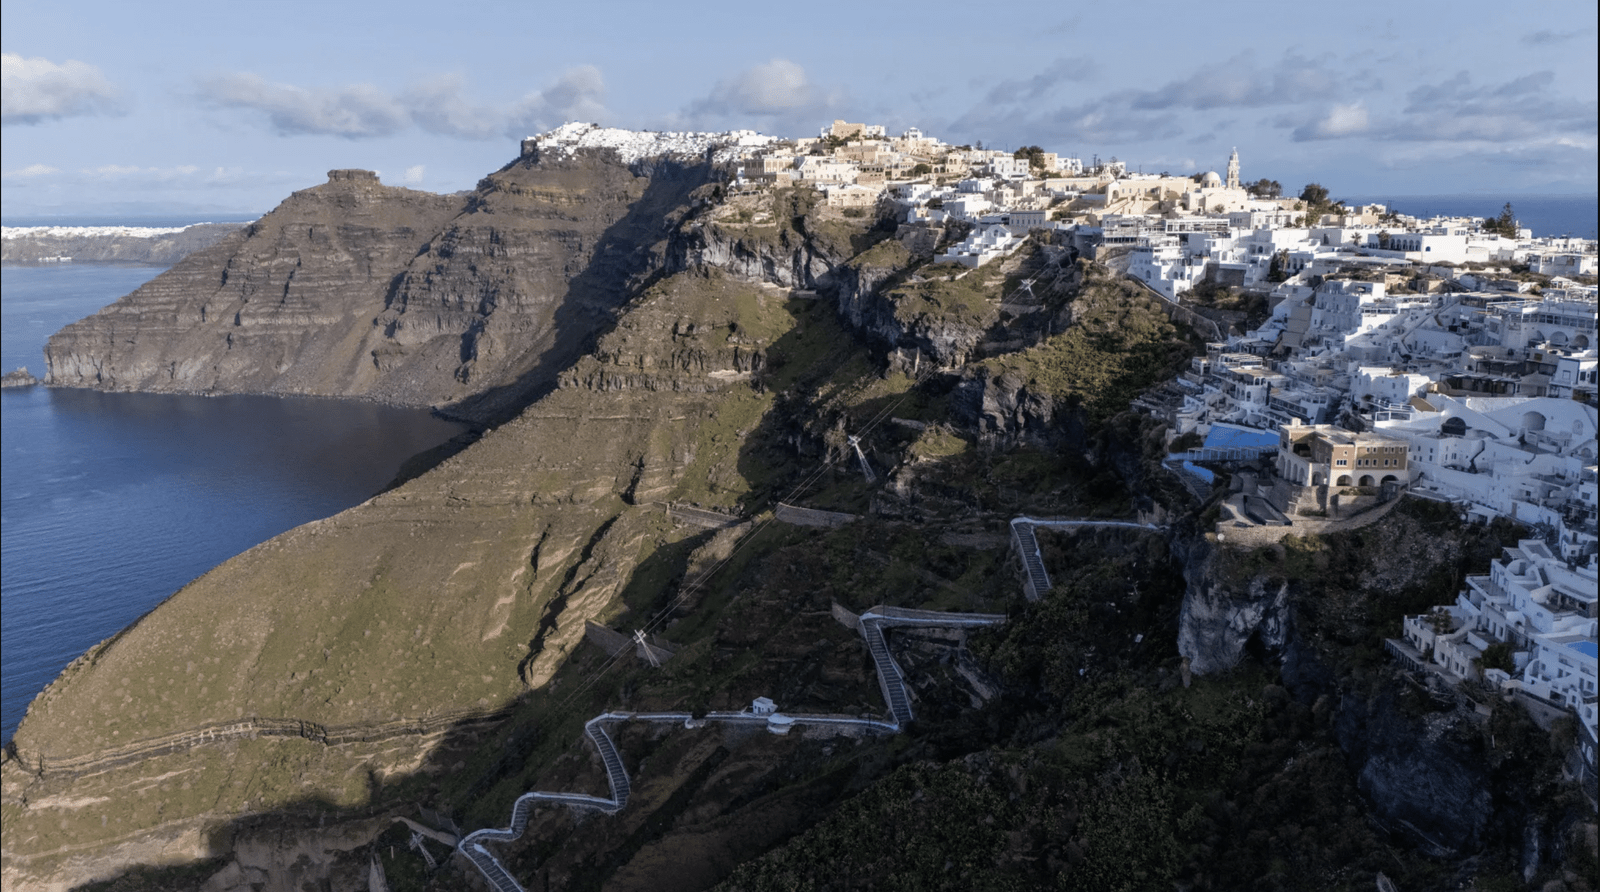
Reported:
(983, 245)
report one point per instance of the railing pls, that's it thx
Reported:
(701, 517)
(1228, 453)
(249, 728)
(890, 679)
(811, 517)
(1036, 581)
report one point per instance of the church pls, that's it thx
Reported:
(1216, 196)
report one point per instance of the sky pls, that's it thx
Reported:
(117, 108)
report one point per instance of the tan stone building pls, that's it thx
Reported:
(1323, 455)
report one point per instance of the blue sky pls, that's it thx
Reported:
(173, 107)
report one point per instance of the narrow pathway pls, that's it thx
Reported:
(891, 681)
(891, 678)
(1036, 582)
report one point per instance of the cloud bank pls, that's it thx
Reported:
(775, 96)
(33, 91)
(436, 105)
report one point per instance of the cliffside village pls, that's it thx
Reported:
(1452, 359)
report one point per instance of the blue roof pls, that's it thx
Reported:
(1200, 472)
(1225, 436)
(1587, 648)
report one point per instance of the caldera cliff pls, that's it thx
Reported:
(635, 338)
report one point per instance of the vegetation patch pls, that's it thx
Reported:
(1120, 343)
(949, 293)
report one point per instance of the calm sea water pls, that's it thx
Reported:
(111, 502)
(1546, 215)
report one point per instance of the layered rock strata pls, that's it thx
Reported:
(357, 289)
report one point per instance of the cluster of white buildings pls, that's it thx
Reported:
(1528, 627)
(1384, 367)
(1489, 396)
(1001, 195)
(1220, 233)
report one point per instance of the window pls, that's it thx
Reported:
(1341, 462)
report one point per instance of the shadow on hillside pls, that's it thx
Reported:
(626, 258)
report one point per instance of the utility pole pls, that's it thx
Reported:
(866, 468)
(638, 635)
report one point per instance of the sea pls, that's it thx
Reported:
(110, 502)
(1546, 215)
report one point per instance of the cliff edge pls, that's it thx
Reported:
(470, 303)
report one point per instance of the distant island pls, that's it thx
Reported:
(157, 246)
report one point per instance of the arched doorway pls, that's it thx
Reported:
(1366, 480)
(1344, 480)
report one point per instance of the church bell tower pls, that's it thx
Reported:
(1233, 170)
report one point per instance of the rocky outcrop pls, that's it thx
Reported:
(1005, 410)
(1425, 757)
(156, 246)
(18, 377)
(1426, 776)
(784, 256)
(1220, 622)
(282, 306)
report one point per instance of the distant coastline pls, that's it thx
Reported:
(1546, 215)
(64, 242)
(159, 221)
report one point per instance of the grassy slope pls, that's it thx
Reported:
(439, 597)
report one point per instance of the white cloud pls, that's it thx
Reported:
(1546, 37)
(437, 106)
(414, 174)
(37, 90)
(1340, 121)
(1522, 110)
(354, 112)
(32, 171)
(578, 95)
(775, 86)
(777, 96)
(1038, 106)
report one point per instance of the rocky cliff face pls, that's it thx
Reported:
(358, 289)
(353, 649)
(1449, 774)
